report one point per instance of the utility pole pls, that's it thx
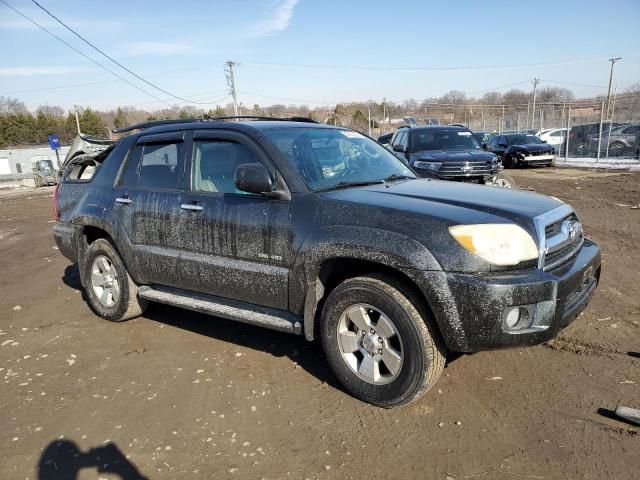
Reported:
(613, 61)
(228, 70)
(536, 81)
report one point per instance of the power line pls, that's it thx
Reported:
(73, 85)
(81, 53)
(426, 68)
(109, 57)
(573, 84)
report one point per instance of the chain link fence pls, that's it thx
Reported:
(594, 130)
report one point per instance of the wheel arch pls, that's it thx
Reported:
(333, 271)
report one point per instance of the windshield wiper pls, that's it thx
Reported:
(397, 176)
(340, 185)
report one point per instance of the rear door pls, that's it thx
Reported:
(236, 245)
(148, 198)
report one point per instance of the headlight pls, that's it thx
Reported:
(427, 165)
(497, 243)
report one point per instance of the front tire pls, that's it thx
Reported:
(111, 291)
(502, 180)
(380, 341)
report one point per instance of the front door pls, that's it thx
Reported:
(235, 244)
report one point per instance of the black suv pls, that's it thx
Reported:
(522, 149)
(448, 152)
(320, 231)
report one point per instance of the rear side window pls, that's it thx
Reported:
(154, 165)
(159, 167)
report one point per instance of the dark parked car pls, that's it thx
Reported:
(520, 149)
(622, 141)
(320, 231)
(580, 137)
(448, 152)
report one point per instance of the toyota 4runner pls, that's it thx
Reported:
(320, 231)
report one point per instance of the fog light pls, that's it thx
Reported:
(513, 315)
(516, 318)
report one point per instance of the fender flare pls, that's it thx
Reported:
(393, 250)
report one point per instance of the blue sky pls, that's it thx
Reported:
(181, 46)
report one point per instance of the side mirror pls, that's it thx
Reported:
(253, 178)
(503, 145)
(544, 141)
(399, 148)
(485, 146)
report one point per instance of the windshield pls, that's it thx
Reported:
(327, 157)
(443, 140)
(522, 139)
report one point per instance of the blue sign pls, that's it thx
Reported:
(54, 141)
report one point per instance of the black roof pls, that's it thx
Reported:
(436, 127)
(217, 122)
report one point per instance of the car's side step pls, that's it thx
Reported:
(222, 307)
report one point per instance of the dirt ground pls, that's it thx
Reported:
(178, 395)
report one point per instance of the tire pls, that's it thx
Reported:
(507, 162)
(115, 306)
(380, 299)
(618, 149)
(502, 180)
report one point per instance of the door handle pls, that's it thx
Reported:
(123, 200)
(191, 206)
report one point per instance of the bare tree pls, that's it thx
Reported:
(454, 96)
(515, 97)
(10, 105)
(492, 98)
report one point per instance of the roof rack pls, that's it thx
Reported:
(206, 118)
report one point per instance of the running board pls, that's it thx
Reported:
(271, 318)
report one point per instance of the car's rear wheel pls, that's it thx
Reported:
(380, 341)
(111, 291)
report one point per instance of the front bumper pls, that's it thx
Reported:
(531, 159)
(470, 310)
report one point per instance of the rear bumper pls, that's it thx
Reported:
(66, 237)
(472, 309)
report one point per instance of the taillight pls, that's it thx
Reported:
(56, 210)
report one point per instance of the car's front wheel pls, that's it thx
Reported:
(502, 180)
(111, 291)
(380, 341)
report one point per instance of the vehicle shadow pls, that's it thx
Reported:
(63, 460)
(308, 355)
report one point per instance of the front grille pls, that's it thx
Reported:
(457, 169)
(559, 246)
(563, 254)
(554, 228)
(536, 154)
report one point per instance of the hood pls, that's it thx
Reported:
(455, 202)
(454, 156)
(532, 147)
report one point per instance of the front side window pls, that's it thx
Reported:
(214, 165)
(327, 157)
